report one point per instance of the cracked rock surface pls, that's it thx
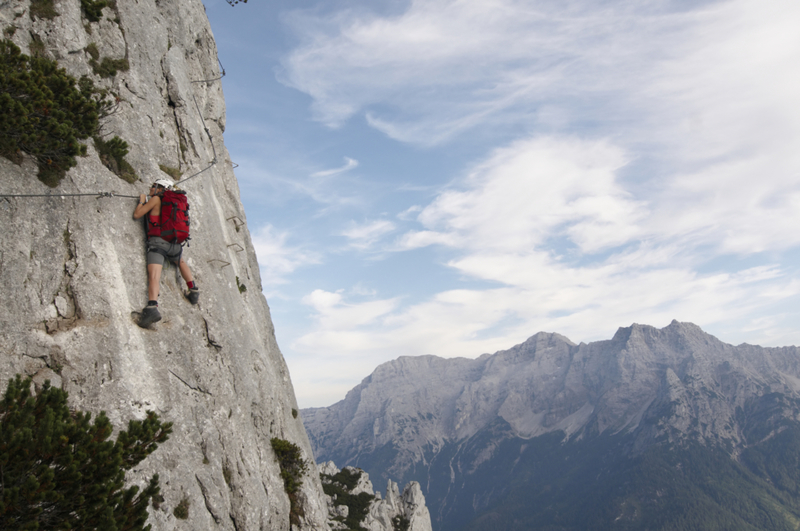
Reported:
(72, 271)
(383, 513)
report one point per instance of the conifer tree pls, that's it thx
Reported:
(93, 9)
(59, 471)
(43, 112)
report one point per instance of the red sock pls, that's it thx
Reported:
(190, 285)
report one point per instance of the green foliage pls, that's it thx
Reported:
(294, 413)
(544, 483)
(596, 483)
(59, 471)
(340, 486)
(778, 460)
(106, 102)
(400, 523)
(242, 287)
(36, 47)
(181, 510)
(106, 67)
(347, 478)
(291, 462)
(357, 508)
(92, 50)
(292, 466)
(109, 67)
(93, 9)
(175, 173)
(112, 155)
(43, 113)
(43, 9)
(158, 499)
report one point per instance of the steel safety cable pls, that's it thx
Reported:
(62, 195)
(210, 139)
(99, 195)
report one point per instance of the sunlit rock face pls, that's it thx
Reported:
(72, 269)
(384, 514)
(442, 421)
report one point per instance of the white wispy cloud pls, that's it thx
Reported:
(444, 65)
(349, 164)
(277, 259)
(550, 222)
(532, 217)
(267, 186)
(534, 190)
(583, 303)
(365, 235)
(657, 177)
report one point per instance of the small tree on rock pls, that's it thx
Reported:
(293, 466)
(59, 471)
(43, 112)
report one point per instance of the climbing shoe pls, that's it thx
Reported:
(149, 315)
(193, 295)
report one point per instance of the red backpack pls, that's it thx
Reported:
(174, 216)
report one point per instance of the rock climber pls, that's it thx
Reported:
(158, 250)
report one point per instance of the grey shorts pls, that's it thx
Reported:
(159, 249)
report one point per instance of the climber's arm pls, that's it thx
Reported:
(146, 206)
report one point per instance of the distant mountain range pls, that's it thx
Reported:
(657, 429)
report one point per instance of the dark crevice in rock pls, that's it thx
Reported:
(173, 106)
(209, 338)
(60, 325)
(209, 508)
(40, 357)
(193, 388)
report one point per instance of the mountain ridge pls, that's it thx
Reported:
(442, 422)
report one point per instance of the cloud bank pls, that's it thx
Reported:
(641, 164)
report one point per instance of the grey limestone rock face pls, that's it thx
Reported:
(383, 513)
(72, 271)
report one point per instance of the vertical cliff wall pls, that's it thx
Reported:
(72, 269)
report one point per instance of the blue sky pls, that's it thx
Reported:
(451, 177)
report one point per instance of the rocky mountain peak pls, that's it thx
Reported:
(451, 422)
(548, 383)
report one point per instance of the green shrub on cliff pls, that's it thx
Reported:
(43, 9)
(93, 9)
(293, 466)
(43, 113)
(340, 487)
(112, 155)
(59, 471)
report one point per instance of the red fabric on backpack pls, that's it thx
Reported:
(153, 226)
(174, 216)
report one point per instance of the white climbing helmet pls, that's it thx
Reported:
(166, 183)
